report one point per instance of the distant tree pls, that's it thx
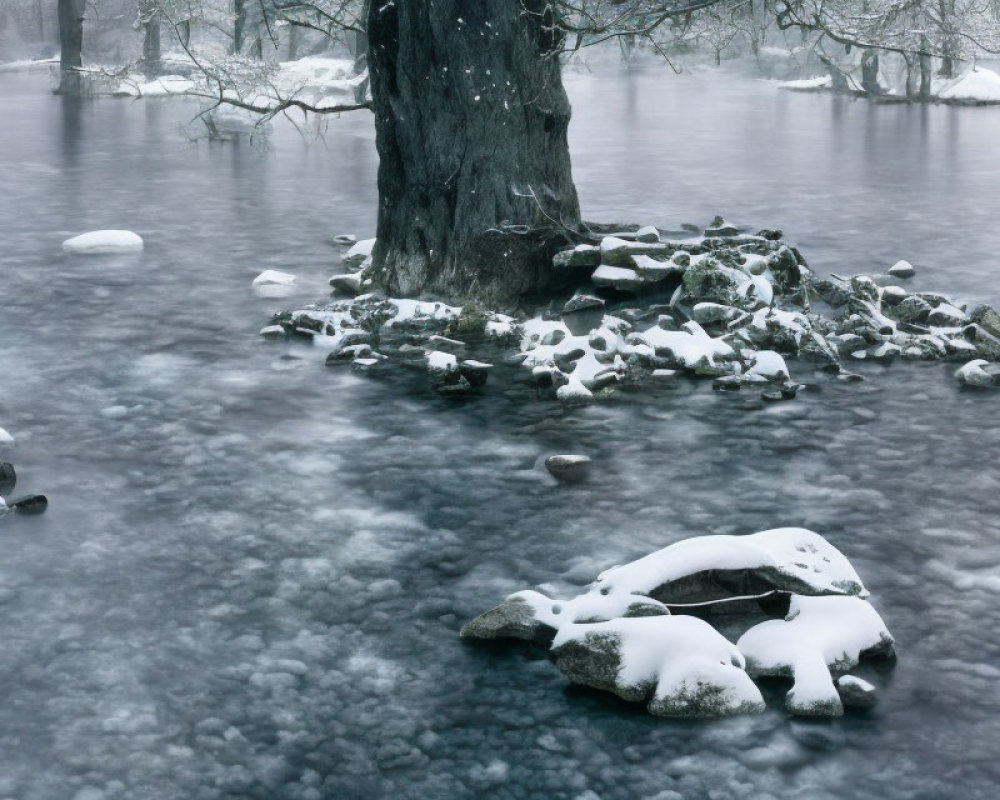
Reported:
(71, 16)
(148, 20)
(916, 31)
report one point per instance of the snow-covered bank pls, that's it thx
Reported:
(316, 80)
(28, 65)
(978, 86)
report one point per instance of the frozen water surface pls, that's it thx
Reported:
(253, 570)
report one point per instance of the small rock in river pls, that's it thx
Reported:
(32, 504)
(647, 234)
(902, 269)
(856, 693)
(569, 468)
(348, 283)
(980, 373)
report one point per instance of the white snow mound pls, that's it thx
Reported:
(101, 242)
(796, 556)
(978, 84)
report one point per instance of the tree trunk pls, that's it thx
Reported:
(357, 43)
(946, 14)
(838, 80)
(475, 185)
(151, 46)
(239, 25)
(71, 45)
(869, 73)
(911, 81)
(925, 68)
(40, 16)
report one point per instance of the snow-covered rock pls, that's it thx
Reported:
(855, 692)
(818, 635)
(902, 269)
(104, 242)
(5, 437)
(681, 665)
(979, 373)
(274, 283)
(766, 365)
(358, 254)
(621, 278)
(690, 347)
(568, 467)
(581, 301)
(649, 233)
(438, 361)
(693, 570)
(620, 635)
(347, 282)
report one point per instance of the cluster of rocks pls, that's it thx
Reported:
(721, 304)
(30, 504)
(651, 630)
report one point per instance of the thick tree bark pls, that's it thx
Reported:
(71, 45)
(475, 185)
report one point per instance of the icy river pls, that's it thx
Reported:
(252, 573)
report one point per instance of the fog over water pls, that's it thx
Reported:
(252, 573)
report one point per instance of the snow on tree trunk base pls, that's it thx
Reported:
(619, 637)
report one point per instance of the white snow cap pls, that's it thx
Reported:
(803, 557)
(99, 242)
(677, 655)
(273, 276)
(273, 283)
(818, 634)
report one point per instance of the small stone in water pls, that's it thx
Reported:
(345, 239)
(273, 332)
(569, 468)
(902, 269)
(32, 504)
(647, 234)
(855, 692)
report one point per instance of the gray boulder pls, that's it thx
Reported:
(856, 693)
(514, 619)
